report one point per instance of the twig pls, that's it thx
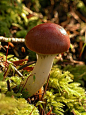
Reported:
(29, 63)
(33, 13)
(24, 84)
(6, 56)
(46, 86)
(81, 16)
(4, 39)
(32, 111)
(8, 85)
(18, 72)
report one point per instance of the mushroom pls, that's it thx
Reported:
(47, 40)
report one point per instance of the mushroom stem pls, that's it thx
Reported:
(39, 74)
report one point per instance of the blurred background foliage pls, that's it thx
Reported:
(17, 17)
(65, 93)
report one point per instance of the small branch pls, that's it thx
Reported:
(4, 39)
(8, 85)
(18, 72)
(46, 86)
(33, 13)
(32, 111)
(29, 63)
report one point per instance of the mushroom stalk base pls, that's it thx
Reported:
(39, 74)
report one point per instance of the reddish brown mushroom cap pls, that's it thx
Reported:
(47, 38)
